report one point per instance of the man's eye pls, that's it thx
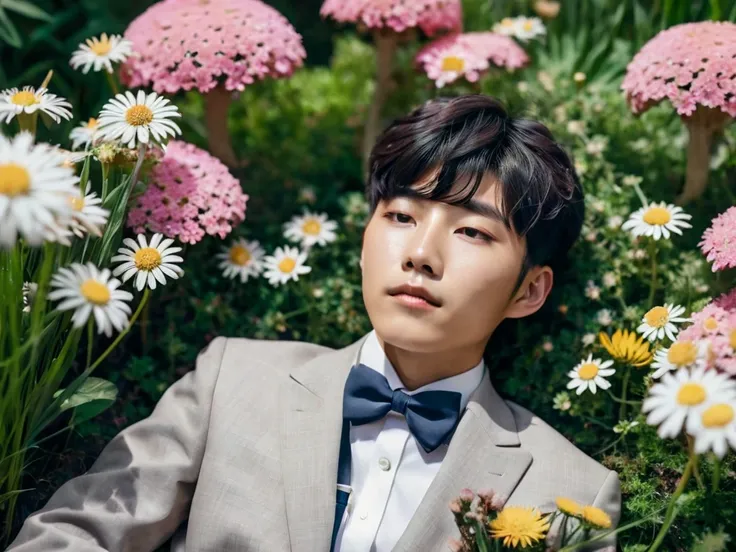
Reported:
(475, 234)
(399, 217)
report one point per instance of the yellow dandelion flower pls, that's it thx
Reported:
(517, 525)
(568, 506)
(596, 517)
(627, 348)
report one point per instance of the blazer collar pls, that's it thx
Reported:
(483, 453)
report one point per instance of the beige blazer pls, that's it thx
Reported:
(245, 448)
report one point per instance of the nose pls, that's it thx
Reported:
(423, 252)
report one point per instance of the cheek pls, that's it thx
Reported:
(484, 278)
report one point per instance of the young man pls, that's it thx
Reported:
(471, 210)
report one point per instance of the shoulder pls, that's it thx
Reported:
(558, 467)
(240, 351)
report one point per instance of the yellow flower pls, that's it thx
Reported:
(626, 347)
(518, 525)
(568, 506)
(596, 517)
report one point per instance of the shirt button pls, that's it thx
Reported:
(384, 463)
(363, 514)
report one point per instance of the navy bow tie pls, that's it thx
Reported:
(430, 415)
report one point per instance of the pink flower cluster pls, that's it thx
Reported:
(691, 64)
(716, 325)
(185, 44)
(190, 194)
(430, 16)
(468, 55)
(719, 240)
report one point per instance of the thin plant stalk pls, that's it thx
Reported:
(670, 514)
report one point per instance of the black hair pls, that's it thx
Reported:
(463, 139)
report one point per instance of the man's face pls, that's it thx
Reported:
(465, 261)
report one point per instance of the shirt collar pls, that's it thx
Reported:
(372, 355)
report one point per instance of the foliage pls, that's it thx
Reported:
(301, 142)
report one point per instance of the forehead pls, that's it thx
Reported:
(489, 190)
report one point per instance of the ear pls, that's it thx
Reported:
(532, 293)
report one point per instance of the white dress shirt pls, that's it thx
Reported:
(390, 471)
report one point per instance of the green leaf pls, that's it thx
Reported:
(8, 32)
(27, 9)
(94, 396)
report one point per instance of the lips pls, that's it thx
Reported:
(416, 291)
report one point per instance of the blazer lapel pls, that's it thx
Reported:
(310, 442)
(484, 453)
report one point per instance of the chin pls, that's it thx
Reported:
(410, 333)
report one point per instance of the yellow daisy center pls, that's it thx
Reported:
(718, 415)
(14, 180)
(100, 47)
(147, 258)
(596, 517)
(95, 292)
(24, 98)
(239, 255)
(691, 394)
(733, 339)
(588, 371)
(507, 22)
(527, 26)
(517, 525)
(287, 265)
(77, 203)
(657, 317)
(682, 353)
(657, 216)
(139, 115)
(312, 227)
(453, 63)
(568, 506)
(92, 123)
(710, 324)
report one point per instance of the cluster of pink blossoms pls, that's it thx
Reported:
(468, 55)
(190, 194)
(716, 324)
(185, 44)
(691, 64)
(430, 16)
(719, 241)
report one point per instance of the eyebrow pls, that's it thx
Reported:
(473, 205)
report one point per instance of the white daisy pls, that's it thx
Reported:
(151, 261)
(243, 258)
(29, 100)
(88, 290)
(657, 220)
(285, 264)
(311, 229)
(34, 188)
(85, 134)
(101, 52)
(522, 28)
(87, 215)
(716, 429)
(660, 321)
(29, 294)
(680, 398)
(681, 354)
(138, 119)
(590, 374)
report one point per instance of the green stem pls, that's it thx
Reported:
(103, 356)
(669, 515)
(653, 281)
(90, 335)
(112, 83)
(623, 401)
(716, 474)
(624, 387)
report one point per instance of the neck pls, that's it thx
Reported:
(416, 369)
